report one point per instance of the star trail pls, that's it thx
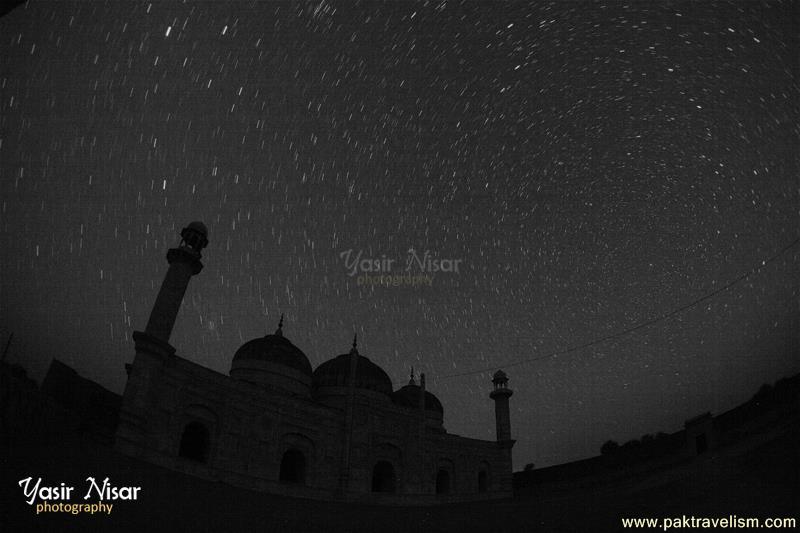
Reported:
(590, 165)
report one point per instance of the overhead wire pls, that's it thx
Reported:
(636, 327)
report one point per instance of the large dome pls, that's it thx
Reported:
(273, 361)
(336, 372)
(408, 396)
(274, 349)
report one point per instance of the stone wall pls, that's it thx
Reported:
(250, 428)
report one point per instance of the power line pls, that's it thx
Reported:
(638, 326)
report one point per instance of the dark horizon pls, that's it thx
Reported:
(588, 168)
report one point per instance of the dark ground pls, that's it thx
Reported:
(755, 480)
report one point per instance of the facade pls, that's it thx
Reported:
(337, 432)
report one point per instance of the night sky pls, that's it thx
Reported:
(588, 166)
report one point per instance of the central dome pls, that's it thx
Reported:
(274, 349)
(336, 373)
(273, 361)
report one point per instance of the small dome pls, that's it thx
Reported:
(335, 373)
(274, 349)
(408, 396)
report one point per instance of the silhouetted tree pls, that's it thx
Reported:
(609, 447)
(631, 444)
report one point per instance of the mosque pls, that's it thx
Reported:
(274, 424)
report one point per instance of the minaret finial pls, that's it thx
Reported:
(279, 331)
(355, 342)
(411, 381)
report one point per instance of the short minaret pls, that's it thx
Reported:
(422, 463)
(184, 262)
(500, 395)
(344, 474)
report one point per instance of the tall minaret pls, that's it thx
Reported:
(500, 395)
(184, 262)
(138, 428)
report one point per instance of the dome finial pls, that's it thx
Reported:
(411, 381)
(279, 331)
(355, 343)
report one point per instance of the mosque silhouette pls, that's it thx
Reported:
(337, 432)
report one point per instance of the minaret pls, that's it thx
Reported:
(344, 473)
(138, 428)
(500, 395)
(184, 262)
(421, 436)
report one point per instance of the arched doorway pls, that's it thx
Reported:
(383, 479)
(483, 481)
(443, 482)
(194, 442)
(293, 467)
